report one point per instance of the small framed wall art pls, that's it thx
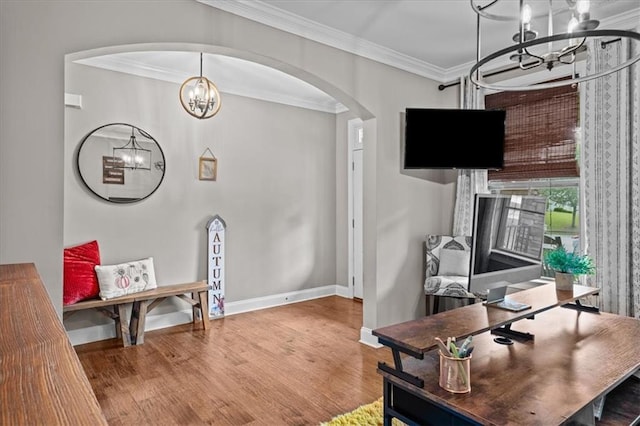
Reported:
(112, 171)
(207, 166)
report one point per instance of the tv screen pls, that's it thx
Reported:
(454, 138)
(507, 240)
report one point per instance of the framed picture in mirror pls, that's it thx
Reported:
(112, 170)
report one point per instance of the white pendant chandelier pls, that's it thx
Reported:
(132, 155)
(529, 51)
(199, 96)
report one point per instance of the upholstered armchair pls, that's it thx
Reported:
(447, 270)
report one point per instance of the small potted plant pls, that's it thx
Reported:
(567, 265)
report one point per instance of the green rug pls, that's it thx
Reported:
(365, 415)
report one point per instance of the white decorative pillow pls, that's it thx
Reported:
(454, 262)
(125, 278)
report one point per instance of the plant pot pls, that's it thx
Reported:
(564, 281)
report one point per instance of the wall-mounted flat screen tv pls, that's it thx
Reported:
(454, 138)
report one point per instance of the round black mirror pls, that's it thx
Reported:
(121, 163)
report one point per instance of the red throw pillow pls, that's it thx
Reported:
(80, 280)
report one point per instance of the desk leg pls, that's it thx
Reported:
(506, 331)
(580, 307)
(397, 370)
(386, 404)
(585, 417)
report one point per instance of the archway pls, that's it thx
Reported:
(198, 132)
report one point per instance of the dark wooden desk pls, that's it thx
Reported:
(417, 337)
(41, 378)
(575, 358)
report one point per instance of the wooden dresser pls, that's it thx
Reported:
(41, 378)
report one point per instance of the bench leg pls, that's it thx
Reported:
(138, 320)
(124, 325)
(195, 309)
(203, 298)
(116, 319)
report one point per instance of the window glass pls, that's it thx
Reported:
(521, 223)
(562, 216)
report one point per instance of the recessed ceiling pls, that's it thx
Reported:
(432, 38)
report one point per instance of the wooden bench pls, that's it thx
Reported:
(132, 332)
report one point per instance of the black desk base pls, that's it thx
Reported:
(409, 408)
(413, 410)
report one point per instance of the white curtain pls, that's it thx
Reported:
(610, 175)
(469, 182)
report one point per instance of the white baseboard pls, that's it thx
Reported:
(91, 334)
(108, 331)
(281, 299)
(155, 322)
(367, 338)
(343, 291)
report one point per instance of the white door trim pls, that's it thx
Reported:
(354, 127)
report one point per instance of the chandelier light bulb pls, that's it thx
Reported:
(526, 14)
(524, 33)
(582, 6)
(573, 24)
(200, 89)
(584, 17)
(201, 95)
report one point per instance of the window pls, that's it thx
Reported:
(541, 145)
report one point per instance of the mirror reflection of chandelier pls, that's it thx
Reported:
(551, 51)
(133, 155)
(199, 96)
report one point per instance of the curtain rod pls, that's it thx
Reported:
(444, 86)
(604, 44)
(441, 87)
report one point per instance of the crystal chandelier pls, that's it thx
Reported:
(199, 96)
(554, 50)
(132, 155)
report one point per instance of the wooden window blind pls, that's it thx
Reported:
(540, 139)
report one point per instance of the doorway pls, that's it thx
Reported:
(356, 146)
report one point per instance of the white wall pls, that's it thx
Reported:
(275, 187)
(399, 209)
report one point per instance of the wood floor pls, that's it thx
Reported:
(299, 364)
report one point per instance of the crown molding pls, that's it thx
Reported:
(624, 21)
(117, 63)
(261, 12)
